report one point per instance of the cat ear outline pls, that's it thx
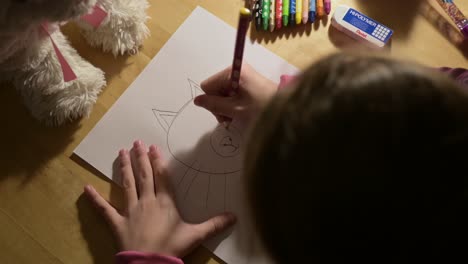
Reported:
(195, 88)
(165, 118)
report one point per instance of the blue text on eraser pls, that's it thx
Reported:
(360, 26)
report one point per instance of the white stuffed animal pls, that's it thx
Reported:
(56, 84)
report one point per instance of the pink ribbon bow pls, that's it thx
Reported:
(95, 19)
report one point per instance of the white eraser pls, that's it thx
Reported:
(360, 27)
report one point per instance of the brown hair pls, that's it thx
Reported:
(363, 161)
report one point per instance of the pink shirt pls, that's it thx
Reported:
(135, 257)
(458, 74)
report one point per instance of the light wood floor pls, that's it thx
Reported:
(43, 216)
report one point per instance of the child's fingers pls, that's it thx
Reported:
(216, 84)
(218, 105)
(159, 173)
(142, 170)
(222, 119)
(128, 179)
(108, 211)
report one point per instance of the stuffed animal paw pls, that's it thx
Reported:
(56, 84)
(122, 31)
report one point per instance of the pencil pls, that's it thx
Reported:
(243, 26)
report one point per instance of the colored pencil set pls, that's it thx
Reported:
(275, 14)
(456, 15)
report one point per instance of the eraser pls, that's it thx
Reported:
(360, 27)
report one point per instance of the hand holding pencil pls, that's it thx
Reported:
(219, 94)
(253, 94)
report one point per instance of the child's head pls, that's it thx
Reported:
(364, 161)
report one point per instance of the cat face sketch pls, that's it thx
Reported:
(195, 138)
(226, 142)
(207, 165)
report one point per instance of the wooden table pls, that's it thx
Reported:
(43, 216)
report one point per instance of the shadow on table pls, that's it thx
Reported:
(27, 145)
(112, 66)
(398, 15)
(116, 195)
(445, 27)
(96, 232)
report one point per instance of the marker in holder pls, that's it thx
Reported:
(273, 15)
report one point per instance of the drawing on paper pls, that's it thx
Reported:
(208, 155)
(225, 142)
(204, 161)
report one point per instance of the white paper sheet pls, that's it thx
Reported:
(205, 159)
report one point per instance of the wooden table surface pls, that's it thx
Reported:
(43, 216)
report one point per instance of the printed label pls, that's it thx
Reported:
(367, 26)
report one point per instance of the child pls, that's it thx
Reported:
(359, 160)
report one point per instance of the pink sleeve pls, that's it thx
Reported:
(285, 80)
(458, 74)
(135, 257)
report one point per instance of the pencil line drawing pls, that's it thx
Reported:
(224, 142)
(185, 174)
(190, 185)
(209, 156)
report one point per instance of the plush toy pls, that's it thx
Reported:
(56, 84)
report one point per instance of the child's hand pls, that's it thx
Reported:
(150, 221)
(253, 94)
